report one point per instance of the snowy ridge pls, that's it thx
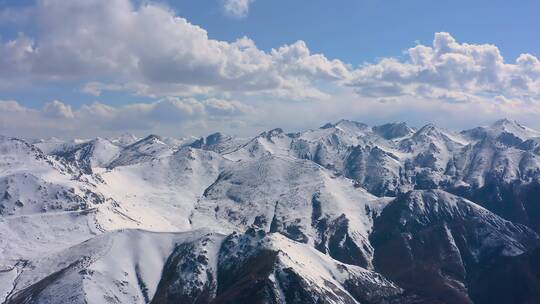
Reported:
(307, 217)
(161, 194)
(94, 153)
(295, 197)
(92, 272)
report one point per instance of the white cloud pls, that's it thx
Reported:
(58, 109)
(296, 59)
(236, 8)
(11, 106)
(450, 71)
(148, 50)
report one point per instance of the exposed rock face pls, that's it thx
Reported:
(435, 244)
(508, 279)
(393, 130)
(189, 273)
(95, 153)
(218, 142)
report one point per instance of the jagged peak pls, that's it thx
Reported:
(152, 138)
(503, 127)
(351, 123)
(345, 123)
(327, 125)
(505, 122)
(210, 140)
(428, 130)
(215, 138)
(393, 130)
(508, 125)
(272, 133)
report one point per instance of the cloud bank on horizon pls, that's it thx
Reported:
(193, 83)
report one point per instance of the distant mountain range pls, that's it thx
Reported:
(347, 213)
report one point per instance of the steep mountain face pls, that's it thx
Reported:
(46, 204)
(346, 213)
(386, 159)
(497, 166)
(146, 149)
(117, 267)
(297, 198)
(199, 267)
(218, 142)
(393, 130)
(95, 153)
(508, 279)
(33, 182)
(501, 170)
(444, 241)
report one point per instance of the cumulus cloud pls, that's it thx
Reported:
(236, 8)
(450, 71)
(147, 49)
(203, 84)
(58, 109)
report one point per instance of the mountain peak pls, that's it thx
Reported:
(307, 214)
(215, 138)
(327, 125)
(272, 133)
(345, 124)
(428, 129)
(503, 127)
(124, 139)
(351, 123)
(152, 137)
(217, 142)
(504, 122)
(393, 130)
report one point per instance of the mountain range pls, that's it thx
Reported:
(346, 213)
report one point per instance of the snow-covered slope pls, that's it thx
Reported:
(119, 267)
(198, 267)
(480, 164)
(161, 194)
(346, 213)
(32, 182)
(98, 152)
(505, 130)
(297, 198)
(148, 148)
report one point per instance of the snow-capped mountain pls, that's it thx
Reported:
(218, 142)
(346, 213)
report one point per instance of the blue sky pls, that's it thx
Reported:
(364, 30)
(66, 65)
